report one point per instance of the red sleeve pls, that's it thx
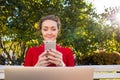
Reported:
(70, 58)
(28, 58)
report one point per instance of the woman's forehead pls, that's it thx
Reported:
(49, 23)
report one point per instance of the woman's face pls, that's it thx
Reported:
(49, 30)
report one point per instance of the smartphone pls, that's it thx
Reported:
(50, 45)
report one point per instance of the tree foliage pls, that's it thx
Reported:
(82, 29)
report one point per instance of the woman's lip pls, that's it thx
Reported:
(49, 37)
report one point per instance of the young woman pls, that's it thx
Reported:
(61, 56)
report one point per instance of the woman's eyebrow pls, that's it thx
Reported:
(45, 26)
(53, 27)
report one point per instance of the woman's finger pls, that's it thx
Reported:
(57, 63)
(43, 54)
(43, 61)
(55, 54)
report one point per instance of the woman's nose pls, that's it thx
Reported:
(49, 32)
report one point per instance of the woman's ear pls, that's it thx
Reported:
(58, 33)
(38, 33)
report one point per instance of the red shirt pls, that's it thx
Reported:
(33, 53)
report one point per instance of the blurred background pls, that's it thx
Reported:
(90, 27)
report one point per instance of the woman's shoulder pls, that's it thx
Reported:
(36, 47)
(65, 48)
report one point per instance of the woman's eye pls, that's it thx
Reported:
(45, 29)
(54, 29)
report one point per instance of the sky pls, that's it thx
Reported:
(101, 4)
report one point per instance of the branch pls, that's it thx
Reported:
(4, 49)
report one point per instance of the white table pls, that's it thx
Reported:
(2, 76)
(105, 71)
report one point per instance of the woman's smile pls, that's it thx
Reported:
(49, 30)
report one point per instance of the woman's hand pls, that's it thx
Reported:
(55, 57)
(43, 60)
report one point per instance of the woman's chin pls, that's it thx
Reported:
(50, 40)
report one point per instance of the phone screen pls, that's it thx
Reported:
(50, 45)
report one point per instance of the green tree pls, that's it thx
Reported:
(82, 29)
(18, 18)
